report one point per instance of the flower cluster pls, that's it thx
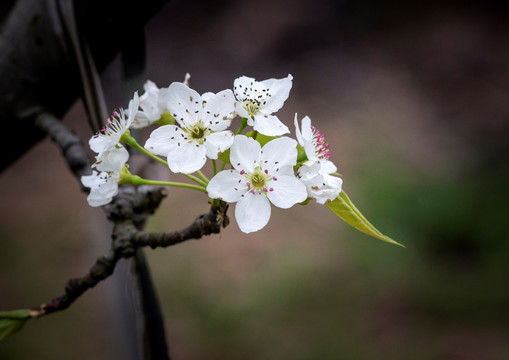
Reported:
(259, 167)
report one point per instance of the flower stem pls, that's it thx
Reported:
(136, 180)
(200, 174)
(129, 140)
(214, 167)
(196, 180)
(243, 125)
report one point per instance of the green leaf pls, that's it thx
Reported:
(262, 139)
(12, 321)
(225, 156)
(343, 207)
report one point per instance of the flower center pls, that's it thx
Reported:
(258, 180)
(114, 124)
(252, 106)
(197, 132)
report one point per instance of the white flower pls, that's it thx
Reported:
(260, 176)
(312, 140)
(103, 187)
(320, 185)
(152, 105)
(104, 184)
(202, 119)
(109, 137)
(111, 160)
(316, 172)
(258, 100)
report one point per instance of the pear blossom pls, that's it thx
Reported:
(109, 137)
(320, 185)
(104, 184)
(316, 172)
(111, 160)
(258, 100)
(202, 133)
(152, 105)
(260, 176)
(103, 187)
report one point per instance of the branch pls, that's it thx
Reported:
(128, 211)
(206, 224)
(69, 143)
(125, 240)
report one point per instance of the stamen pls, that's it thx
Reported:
(321, 147)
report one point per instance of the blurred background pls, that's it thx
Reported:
(414, 100)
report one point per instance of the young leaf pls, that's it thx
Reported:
(262, 139)
(12, 321)
(343, 207)
(225, 156)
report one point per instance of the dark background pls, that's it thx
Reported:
(413, 98)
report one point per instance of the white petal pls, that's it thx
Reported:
(102, 188)
(323, 195)
(142, 120)
(227, 185)
(149, 104)
(245, 153)
(184, 104)
(207, 96)
(218, 142)
(279, 153)
(307, 131)
(94, 199)
(242, 87)
(328, 191)
(219, 110)
(309, 173)
(298, 134)
(112, 160)
(163, 139)
(305, 137)
(132, 110)
(102, 196)
(320, 186)
(89, 181)
(187, 157)
(240, 111)
(279, 89)
(327, 167)
(252, 212)
(100, 143)
(149, 87)
(310, 150)
(288, 191)
(333, 181)
(269, 125)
